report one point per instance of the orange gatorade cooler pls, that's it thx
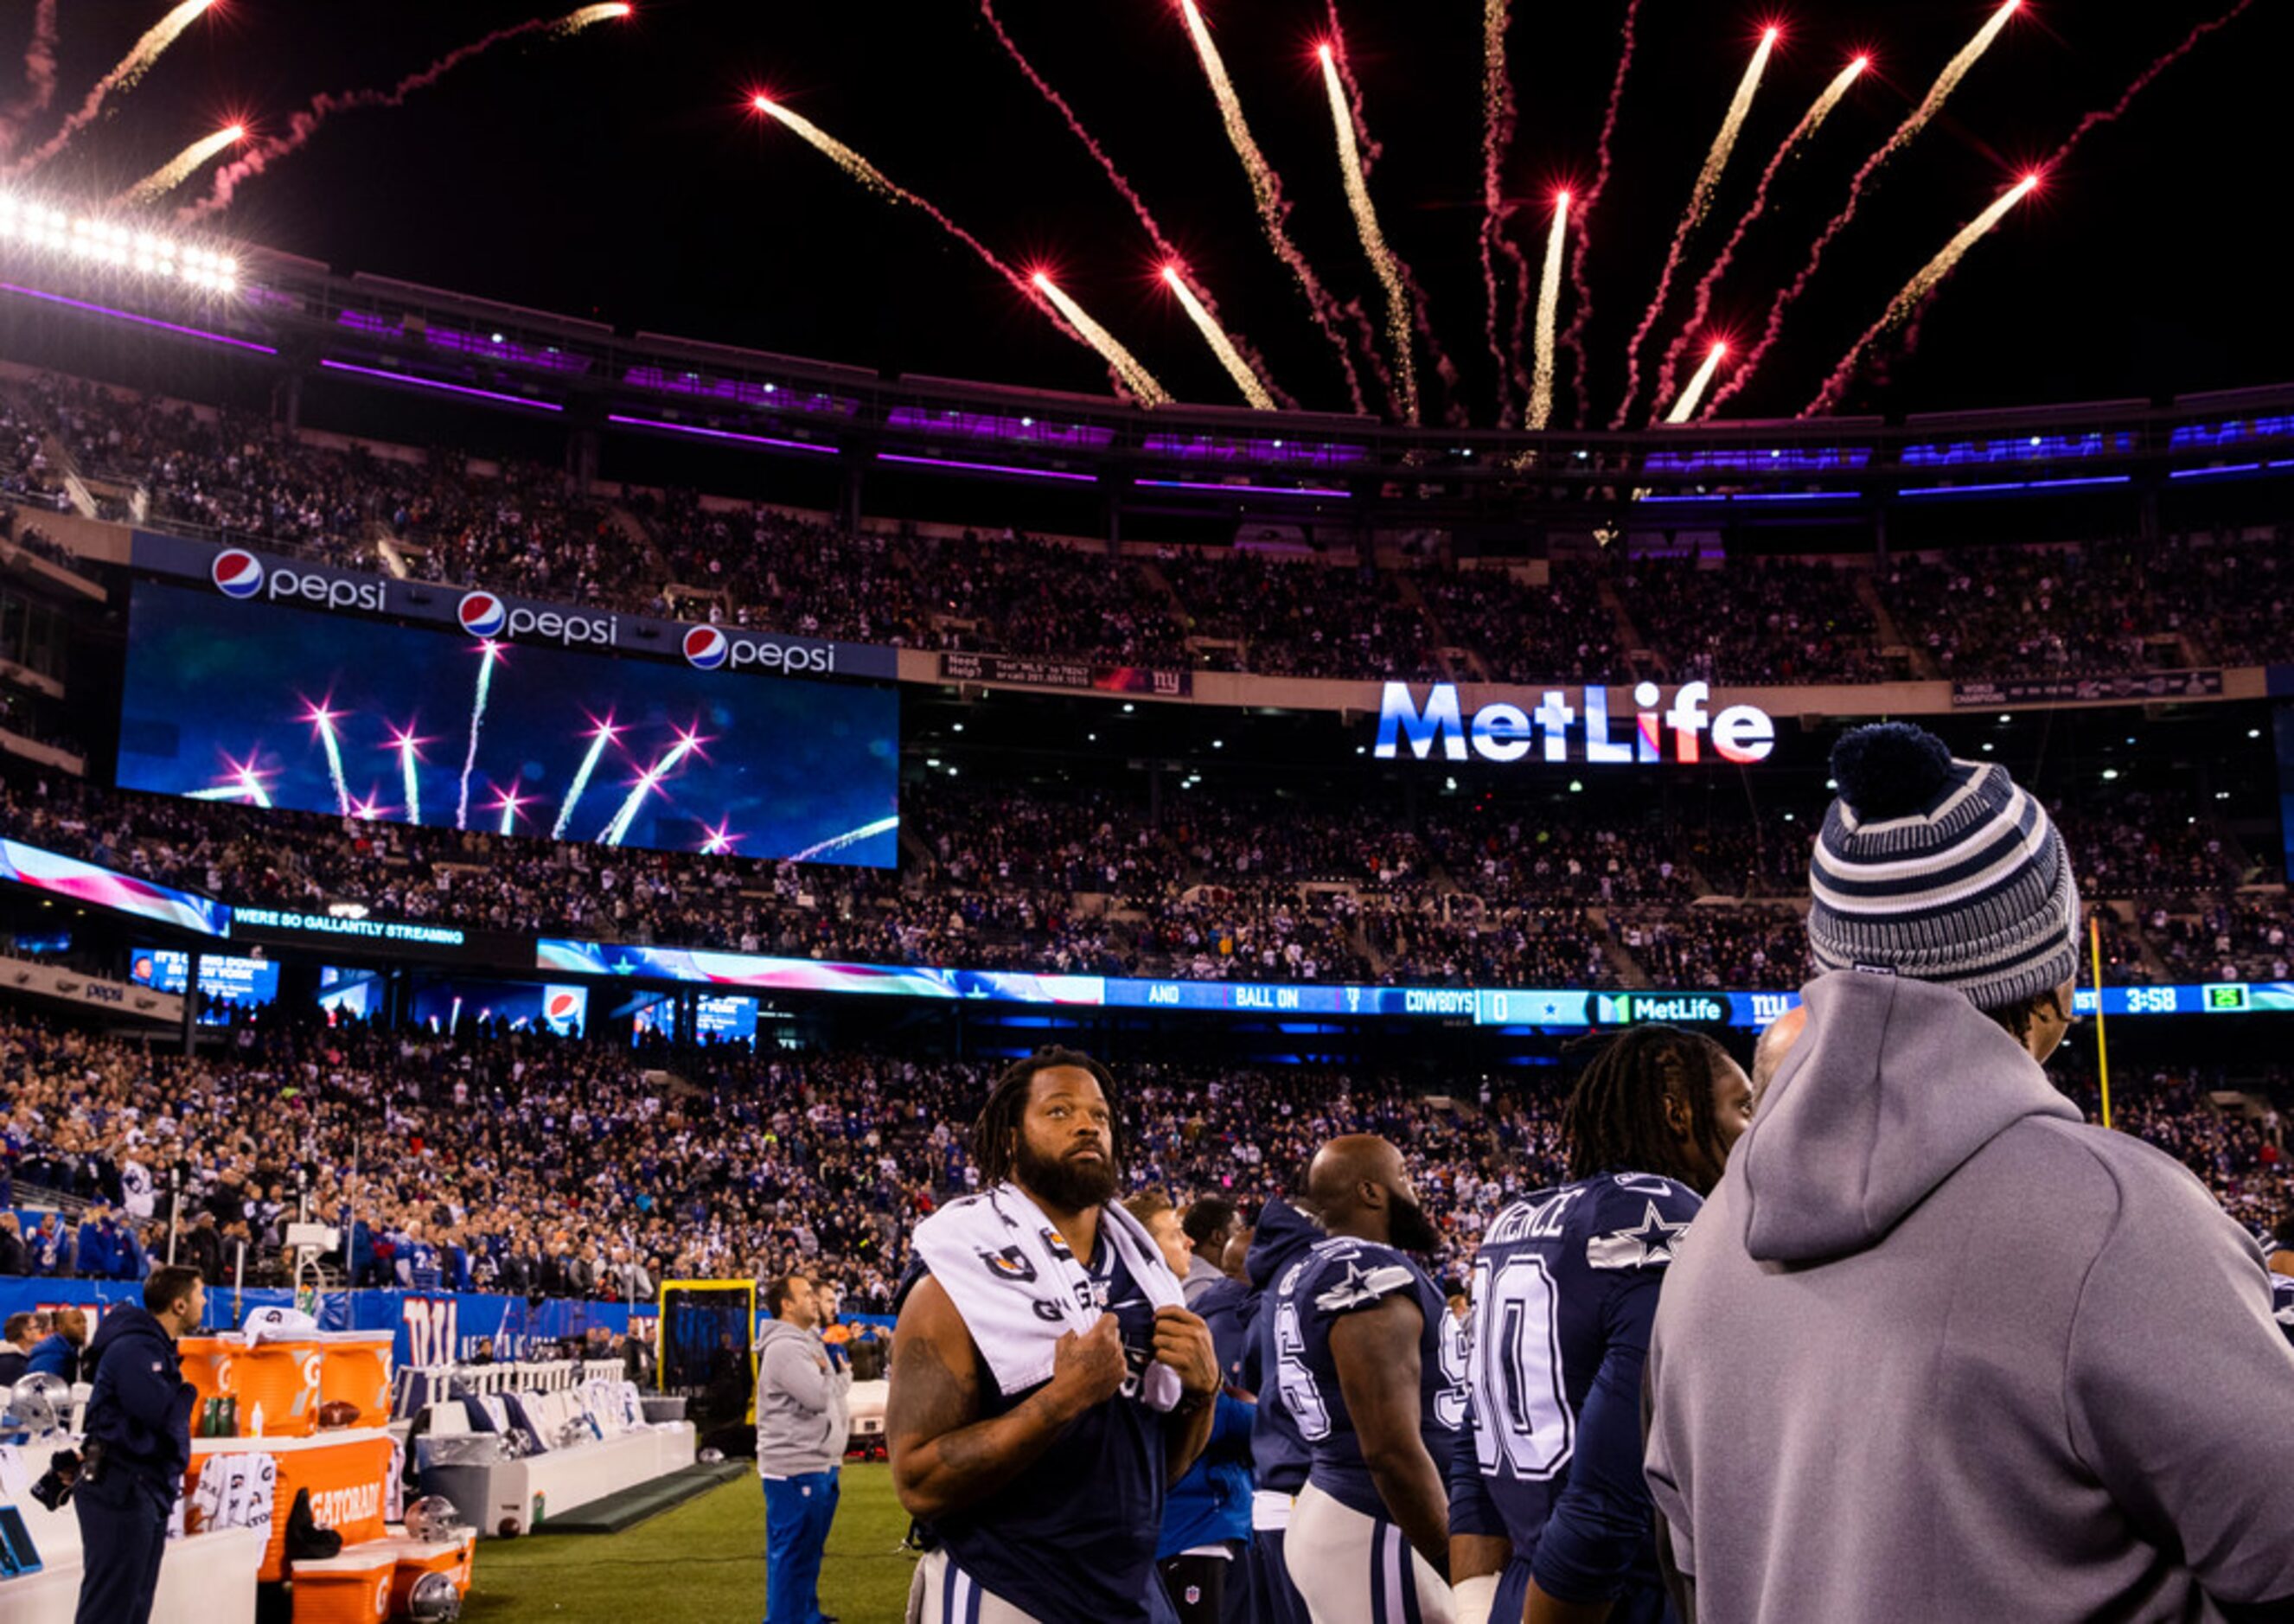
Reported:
(419, 1557)
(283, 1378)
(355, 1369)
(346, 1474)
(351, 1588)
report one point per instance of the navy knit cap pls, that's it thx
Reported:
(1941, 869)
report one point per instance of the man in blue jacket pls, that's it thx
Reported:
(99, 1245)
(1206, 1514)
(139, 1441)
(1279, 1452)
(62, 1352)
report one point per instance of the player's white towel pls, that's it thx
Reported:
(1019, 1288)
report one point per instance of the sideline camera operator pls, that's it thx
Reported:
(139, 1441)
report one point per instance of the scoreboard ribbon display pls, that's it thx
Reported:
(1521, 1006)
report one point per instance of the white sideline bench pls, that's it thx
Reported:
(499, 1499)
(207, 1578)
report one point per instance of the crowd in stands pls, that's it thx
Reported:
(1058, 878)
(2109, 607)
(532, 1165)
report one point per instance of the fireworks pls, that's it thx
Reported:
(1253, 389)
(1702, 304)
(2142, 82)
(1499, 114)
(132, 67)
(601, 734)
(1267, 193)
(410, 757)
(721, 840)
(1548, 304)
(837, 842)
(322, 721)
(180, 167)
(511, 806)
(1918, 120)
(1126, 366)
(1578, 280)
(648, 782)
(305, 124)
(875, 180)
(1685, 407)
(39, 74)
(1700, 198)
(490, 655)
(1901, 308)
(241, 782)
(1373, 239)
(1243, 364)
(578, 20)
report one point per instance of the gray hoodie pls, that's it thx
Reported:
(1938, 1350)
(801, 1421)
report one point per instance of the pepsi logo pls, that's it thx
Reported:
(562, 1004)
(236, 573)
(482, 614)
(705, 647)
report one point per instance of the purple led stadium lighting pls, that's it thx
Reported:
(719, 434)
(2202, 473)
(1211, 448)
(140, 320)
(1242, 490)
(489, 349)
(770, 396)
(985, 425)
(950, 466)
(439, 383)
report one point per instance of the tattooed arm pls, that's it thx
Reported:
(944, 1457)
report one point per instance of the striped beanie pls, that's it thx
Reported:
(1943, 870)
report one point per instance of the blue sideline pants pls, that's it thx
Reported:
(798, 1511)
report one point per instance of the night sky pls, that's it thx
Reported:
(620, 176)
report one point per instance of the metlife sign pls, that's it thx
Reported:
(1557, 732)
(242, 573)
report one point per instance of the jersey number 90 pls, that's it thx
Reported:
(1521, 1409)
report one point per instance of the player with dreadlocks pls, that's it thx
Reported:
(1047, 1385)
(1550, 1519)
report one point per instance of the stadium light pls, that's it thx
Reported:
(29, 223)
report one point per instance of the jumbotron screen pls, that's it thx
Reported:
(261, 705)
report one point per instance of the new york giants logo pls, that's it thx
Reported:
(431, 1324)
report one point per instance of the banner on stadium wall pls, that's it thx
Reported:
(431, 939)
(2129, 686)
(243, 573)
(430, 1329)
(1023, 672)
(97, 886)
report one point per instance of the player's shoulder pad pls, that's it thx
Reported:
(1634, 1220)
(1351, 1274)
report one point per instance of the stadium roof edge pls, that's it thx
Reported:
(367, 279)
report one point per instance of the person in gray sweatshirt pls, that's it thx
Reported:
(801, 1430)
(1936, 1350)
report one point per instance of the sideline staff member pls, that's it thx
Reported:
(801, 1435)
(139, 1441)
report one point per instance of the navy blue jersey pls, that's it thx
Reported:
(1341, 1277)
(1071, 1540)
(1565, 1291)
(2281, 1299)
(1279, 1455)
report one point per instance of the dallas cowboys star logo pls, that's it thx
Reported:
(1652, 1241)
(1361, 1285)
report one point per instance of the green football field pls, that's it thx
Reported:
(704, 1561)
